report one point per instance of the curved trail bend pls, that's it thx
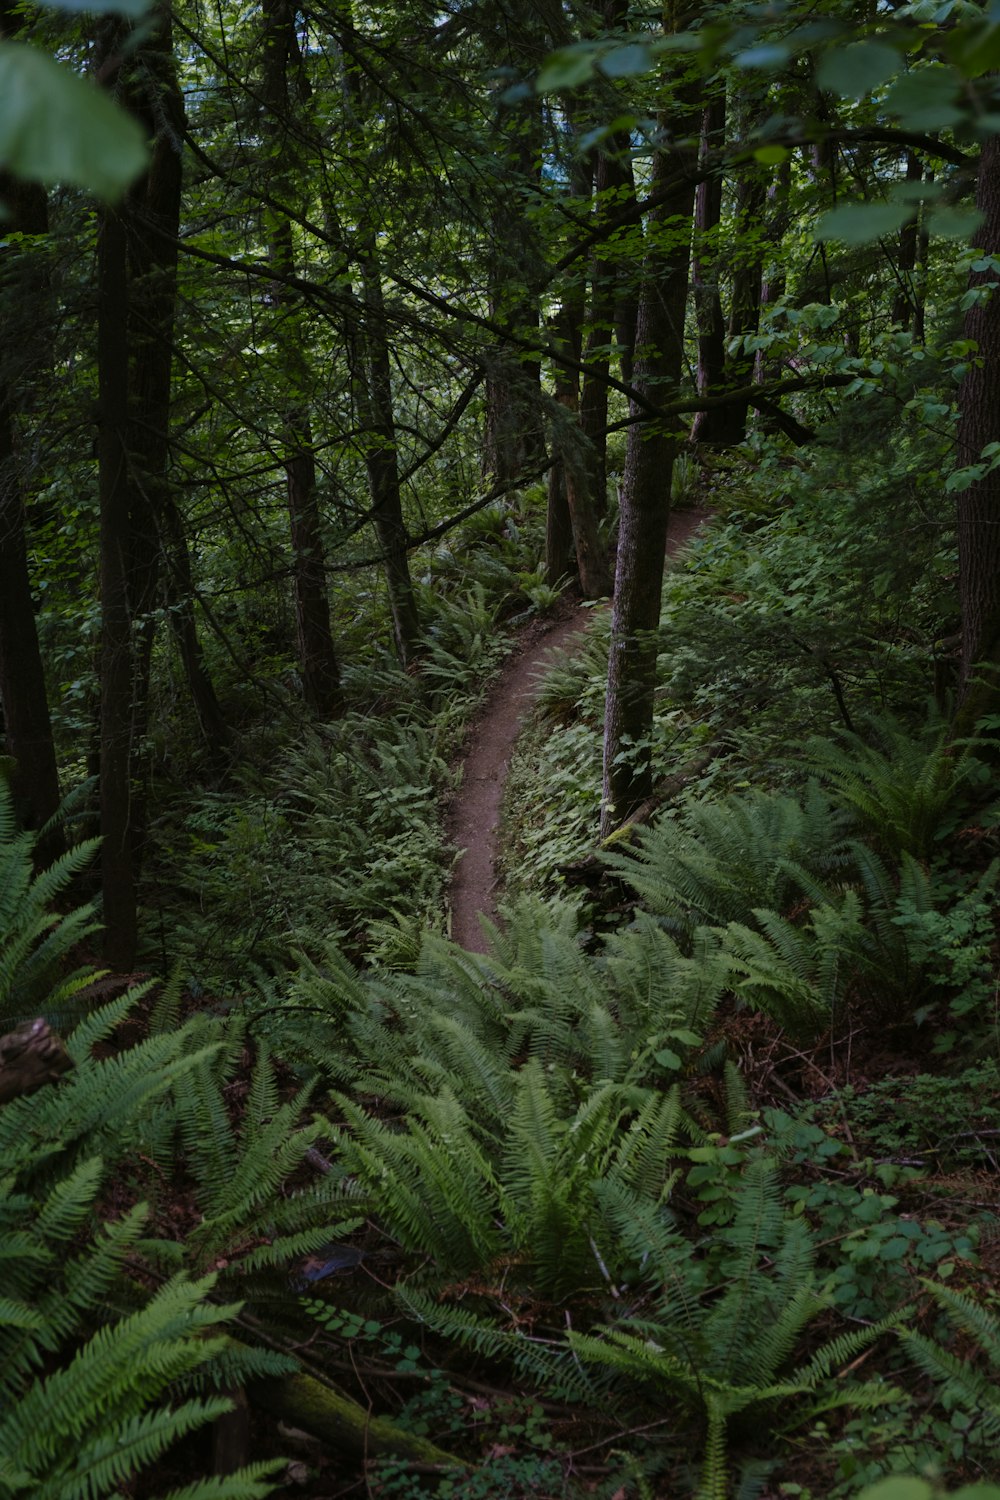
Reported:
(474, 816)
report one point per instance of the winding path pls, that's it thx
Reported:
(474, 816)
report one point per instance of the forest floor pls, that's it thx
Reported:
(473, 822)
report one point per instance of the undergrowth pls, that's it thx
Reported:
(335, 829)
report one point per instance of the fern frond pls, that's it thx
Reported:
(716, 862)
(902, 786)
(713, 1482)
(249, 1483)
(550, 1366)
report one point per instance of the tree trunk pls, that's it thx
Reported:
(514, 435)
(180, 606)
(645, 506)
(615, 186)
(979, 504)
(774, 280)
(26, 723)
(564, 336)
(922, 252)
(903, 303)
(154, 209)
(705, 259)
(318, 662)
(375, 406)
(117, 865)
(744, 308)
(27, 726)
(576, 457)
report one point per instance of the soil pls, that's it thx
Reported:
(474, 816)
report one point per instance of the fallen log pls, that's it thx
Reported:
(307, 1403)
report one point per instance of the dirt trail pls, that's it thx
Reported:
(474, 816)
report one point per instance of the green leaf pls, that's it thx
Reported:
(975, 48)
(926, 99)
(766, 55)
(56, 128)
(626, 62)
(770, 156)
(668, 1059)
(898, 1489)
(854, 71)
(567, 68)
(131, 8)
(861, 223)
(954, 223)
(904, 191)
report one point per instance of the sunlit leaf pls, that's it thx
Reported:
(770, 156)
(57, 128)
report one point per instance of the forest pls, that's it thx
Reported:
(350, 354)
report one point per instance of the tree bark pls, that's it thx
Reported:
(645, 507)
(705, 257)
(371, 379)
(516, 39)
(318, 662)
(117, 863)
(978, 507)
(774, 279)
(27, 726)
(577, 466)
(904, 302)
(374, 398)
(154, 211)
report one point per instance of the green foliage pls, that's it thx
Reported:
(97, 1375)
(715, 862)
(57, 129)
(35, 943)
(975, 1388)
(906, 788)
(726, 1355)
(346, 833)
(865, 1201)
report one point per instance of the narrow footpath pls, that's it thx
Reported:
(474, 816)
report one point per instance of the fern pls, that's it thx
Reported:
(797, 975)
(34, 942)
(904, 787)
(716, 862)
(723, 1354)
(962, 1383)
(87, 1428)
(103, 1410)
